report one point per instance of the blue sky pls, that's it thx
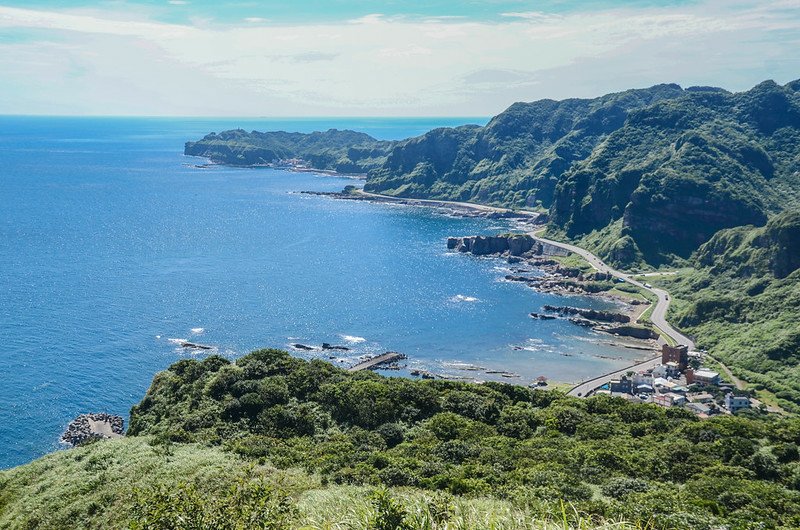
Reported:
(344, 57)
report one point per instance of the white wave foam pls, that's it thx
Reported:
(197, 331)
(176, 341)
(463, 298)
(352, 339)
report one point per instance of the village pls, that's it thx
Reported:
(681, 380)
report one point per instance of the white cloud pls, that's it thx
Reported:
(178, 2)
(384, 65)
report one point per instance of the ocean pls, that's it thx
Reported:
(114, 247)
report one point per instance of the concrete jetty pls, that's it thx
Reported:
(375, 362)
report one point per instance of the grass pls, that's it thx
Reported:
(574, 261)
(350, 508)
(91, 486)
(94, 487)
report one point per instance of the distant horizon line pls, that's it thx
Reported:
(212, 117)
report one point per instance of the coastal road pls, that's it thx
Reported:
(592, 384)
(444, 204)
(658, 316)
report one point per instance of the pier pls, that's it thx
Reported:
(386, 358)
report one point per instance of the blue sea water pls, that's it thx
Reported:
(112, 243)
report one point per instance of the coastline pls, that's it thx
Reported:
(554, 280)
(292, 169)
(461, 209)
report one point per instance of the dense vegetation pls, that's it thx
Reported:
(648, 175)
(149, 483)
(683, 169)
(517, 159)
(342, 151)
(742, 301)
(276, 442)
(535, 449)
(642, 176)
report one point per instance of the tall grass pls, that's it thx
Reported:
(97, 486)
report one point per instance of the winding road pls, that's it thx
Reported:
(658, 317)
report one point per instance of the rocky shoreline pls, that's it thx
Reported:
(93, 426)
(537, 266)
(449, 208)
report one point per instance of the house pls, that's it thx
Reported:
(621, 385)
(675, 354)
(736, 403)
(673, 369)
(660, 371)
(668, 400)
(699, 408)
(701, 397)
(642, 378)
(702, 376)
(660, 382)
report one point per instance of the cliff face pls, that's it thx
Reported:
(517, 158)
(659, 170)
(681, 170)
(773, 250)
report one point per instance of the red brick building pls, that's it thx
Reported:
(676, 354)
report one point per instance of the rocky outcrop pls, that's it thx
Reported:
(525, 279)
(327, 346)
(590, 314)
(94, 426)
(636, 332)
(196, 346)
(513, 244)
(542, 316)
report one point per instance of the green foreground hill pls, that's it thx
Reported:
(293, 444)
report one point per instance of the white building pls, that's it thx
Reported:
(736, 403)
(708, 377)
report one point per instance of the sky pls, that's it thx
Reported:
(376, 58)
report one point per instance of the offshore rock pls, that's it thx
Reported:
(590, 314)
(513, 244)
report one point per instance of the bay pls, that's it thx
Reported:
(113, 246)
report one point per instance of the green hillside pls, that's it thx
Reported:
(644, 176)
(743, 302)
(517, 159)
(648, 175)
(145, 483)
(342, 151)
(681, 170)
